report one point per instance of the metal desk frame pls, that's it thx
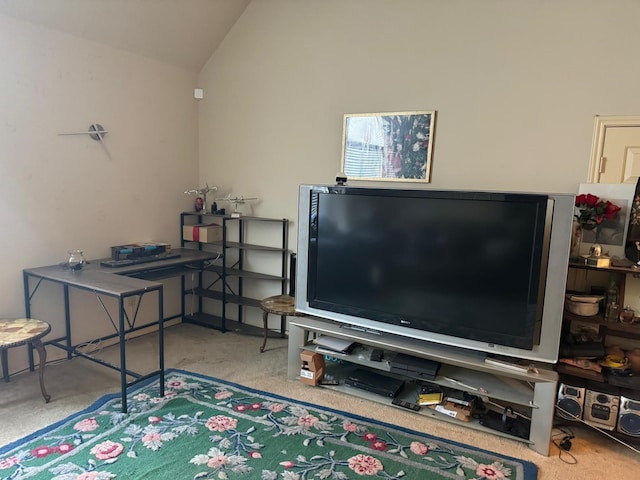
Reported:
(119, 283)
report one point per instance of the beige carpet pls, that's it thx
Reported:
(75, 384)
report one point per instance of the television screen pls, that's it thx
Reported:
(453, 264)
(468, 266)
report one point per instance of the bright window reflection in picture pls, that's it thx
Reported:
(392, 146)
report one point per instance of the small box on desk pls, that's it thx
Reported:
(312, 370)
(202, 233)
(598, 261)
(138, 250)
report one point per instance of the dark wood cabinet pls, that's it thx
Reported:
(601, 396)
(586, 279)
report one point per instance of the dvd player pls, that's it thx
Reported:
(414, 367)
(374, 382)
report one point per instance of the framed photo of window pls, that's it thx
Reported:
(395, 146)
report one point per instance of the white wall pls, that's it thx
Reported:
(62, 192)
(516, 86)
(515, 83)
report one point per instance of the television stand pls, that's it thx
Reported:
(506, 365)
(348, 326)
(531, 392)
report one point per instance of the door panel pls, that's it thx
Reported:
(617, 165)
(615, 156)
(631, 165)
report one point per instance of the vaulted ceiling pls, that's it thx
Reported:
(184, 33)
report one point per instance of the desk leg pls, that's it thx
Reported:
(42, 353)
(67, 322)
(5, 365)
(27, 310)
(123, 355)
(161, 339)
(265, 316)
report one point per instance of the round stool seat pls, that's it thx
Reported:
(279, 304)
(283, 305)
(23, 331)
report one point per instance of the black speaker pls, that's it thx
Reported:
(601, 409)
(292, 274)
(570, 402)
(629, 417)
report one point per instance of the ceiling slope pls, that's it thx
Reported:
(184, 33)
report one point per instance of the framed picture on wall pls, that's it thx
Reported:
(393, 146)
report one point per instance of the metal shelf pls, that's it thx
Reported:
(228, 297)
(244, 273)
(230, 271)
(215, 322)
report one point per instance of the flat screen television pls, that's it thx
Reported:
(482, 271)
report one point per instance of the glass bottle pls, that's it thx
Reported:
(611, 315)
(612, 300)
(76, 260)
(627, 315)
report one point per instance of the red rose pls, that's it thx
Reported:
(611, 210)
(592, 200)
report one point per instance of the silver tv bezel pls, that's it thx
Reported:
(558, 229)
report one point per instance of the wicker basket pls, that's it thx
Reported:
(583, 305)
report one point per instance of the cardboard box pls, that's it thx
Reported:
(454, 410)
(312, 369)
(202, 233)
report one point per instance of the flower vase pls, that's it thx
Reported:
(576, 241)
(596, 248)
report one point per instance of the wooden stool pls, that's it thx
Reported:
(282, 305)
(20, 332)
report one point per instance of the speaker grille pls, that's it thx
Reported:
(569, 409)
(629, 423)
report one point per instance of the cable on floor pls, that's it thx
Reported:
(571, 416)
(562, 440)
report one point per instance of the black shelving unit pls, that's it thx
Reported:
(226, 280)
(590, 383)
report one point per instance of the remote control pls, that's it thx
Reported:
(329, 381)
(404, 404)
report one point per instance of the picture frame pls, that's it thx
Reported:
(614, 238)
(393, 146)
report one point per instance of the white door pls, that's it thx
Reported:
(615, 156)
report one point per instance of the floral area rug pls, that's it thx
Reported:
(205, 428)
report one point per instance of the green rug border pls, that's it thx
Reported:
(530, 469)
